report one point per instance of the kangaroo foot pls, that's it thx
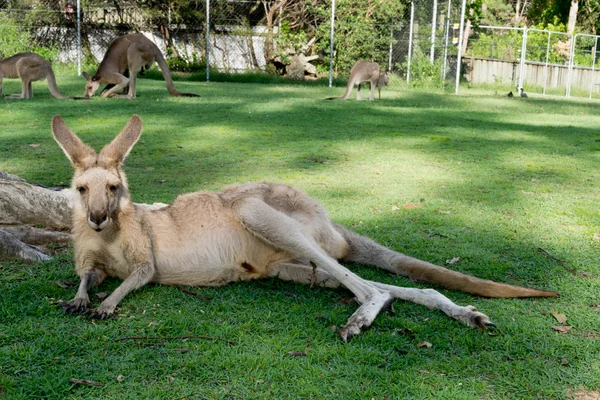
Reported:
(366, 313)
(473, 318)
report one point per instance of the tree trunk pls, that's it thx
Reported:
(466, 35)
(572, 17)
(270, 11)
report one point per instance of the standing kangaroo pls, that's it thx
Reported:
(128, 53)
(28, 67)
(247, 231)
(365, 71)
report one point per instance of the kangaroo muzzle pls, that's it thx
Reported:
(98, 220)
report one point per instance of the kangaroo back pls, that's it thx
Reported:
(365, 251)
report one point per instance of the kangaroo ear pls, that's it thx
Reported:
(86, 76)
(76, 151)
(114, 153)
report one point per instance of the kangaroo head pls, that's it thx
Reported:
(92, 84)
(99, 181)
(383, 79)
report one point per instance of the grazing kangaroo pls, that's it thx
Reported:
(365, 71)
(28, 67)
(128, 53)
(247, 231)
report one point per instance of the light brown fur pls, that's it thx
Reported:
(247, 231)
(28, 67)
(365, 71)
(128, 53)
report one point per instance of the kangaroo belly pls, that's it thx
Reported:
(199, 242)
(213, 258)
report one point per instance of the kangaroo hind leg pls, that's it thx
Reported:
(432, 299)
(286, 233)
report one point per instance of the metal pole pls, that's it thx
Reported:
(331, 41)
(207, 40)
(593, 65)
(446, 45)
(391, 40)
(410, 40)
(546, 67)
(78, 38)
(460, 44)
(522, 61)
(433, 26)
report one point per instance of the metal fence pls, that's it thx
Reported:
(534, 61)
(419, 45)
(422, 45)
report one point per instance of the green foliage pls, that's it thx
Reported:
(423, 73)
(182, 65)
(13, 39)
(362, 31)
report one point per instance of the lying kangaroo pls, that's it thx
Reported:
(128, 53)
(28, 67)
(365, 71)
(247, 231)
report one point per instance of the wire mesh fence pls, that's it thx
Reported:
(418, 42)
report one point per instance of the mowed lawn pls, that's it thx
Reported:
(508, 186)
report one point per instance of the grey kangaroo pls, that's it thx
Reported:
(28, 67)
(125, 56)
(246, 231)
(365, 71)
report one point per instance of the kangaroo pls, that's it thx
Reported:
(246, 231)
(28, 67)
(365, 71)
(128, 53)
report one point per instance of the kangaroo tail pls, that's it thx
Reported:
(168, 78)
(52, 85)
(365, 251)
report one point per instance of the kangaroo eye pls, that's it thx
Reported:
(81, 189)
(113, 188)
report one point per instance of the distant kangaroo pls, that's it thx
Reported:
(365, 71)
(247, 231)
(128, 53)
(28, 67)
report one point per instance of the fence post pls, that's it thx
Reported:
(410, 40)
(207, 40)
(460, 44)
(446, 45)
(78, 38)
(331, 40)
(593, 65)
(433, 26)
(546, 66)
(522, 61)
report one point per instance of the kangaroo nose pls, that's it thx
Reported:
(98, 217)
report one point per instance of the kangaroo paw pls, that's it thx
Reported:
(97, 314)
(77, 305)
(104, 311)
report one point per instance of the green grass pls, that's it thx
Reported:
(497, 180)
